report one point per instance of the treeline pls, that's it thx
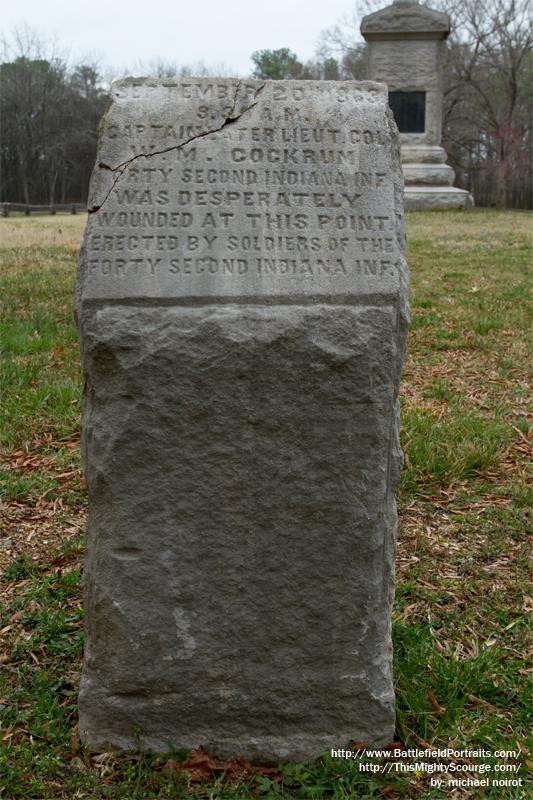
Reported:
(49, 112)
(49, 116)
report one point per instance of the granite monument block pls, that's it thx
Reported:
(242, 306)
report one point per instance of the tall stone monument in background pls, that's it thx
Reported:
(406, 44)
(242, 306)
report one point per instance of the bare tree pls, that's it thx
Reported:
(164, 68)
(488, 91)
(30, 78)
(343, 41)
(48, 121)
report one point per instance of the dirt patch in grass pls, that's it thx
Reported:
(36, 533)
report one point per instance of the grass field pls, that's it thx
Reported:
(462, 666)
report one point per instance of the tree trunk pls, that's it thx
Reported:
(26, 189)
(501, 177)
(52, 189)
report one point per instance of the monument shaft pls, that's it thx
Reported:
(242, 305)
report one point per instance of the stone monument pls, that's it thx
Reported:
(242, 306)
(406, 44)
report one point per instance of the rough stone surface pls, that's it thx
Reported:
(406, 49)
(423, 154)
(433, 198)
(242, 304)
(408, 18)
(428, 174)
(412, 66)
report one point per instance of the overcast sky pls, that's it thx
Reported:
(122, 32)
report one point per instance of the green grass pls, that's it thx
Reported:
(39, 366)
(455, 448)
(39, 373)
(460, 621)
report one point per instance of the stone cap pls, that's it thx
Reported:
(405, 19)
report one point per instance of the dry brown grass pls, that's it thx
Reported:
(43, 231)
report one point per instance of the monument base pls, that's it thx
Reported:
(241, 464)
(433, 198)
(428, 180)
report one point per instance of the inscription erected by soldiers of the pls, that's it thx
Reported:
(242, 305)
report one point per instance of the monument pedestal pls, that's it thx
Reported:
(428, 180)
(426, 198)
(406, 42)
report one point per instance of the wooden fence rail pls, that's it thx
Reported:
(72, 208)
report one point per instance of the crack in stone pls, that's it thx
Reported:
(231, 119)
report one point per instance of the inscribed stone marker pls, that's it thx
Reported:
(242, 304)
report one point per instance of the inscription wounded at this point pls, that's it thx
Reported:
(242, 305)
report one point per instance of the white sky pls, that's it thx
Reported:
(122, 32)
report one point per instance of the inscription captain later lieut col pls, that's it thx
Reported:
(242, 304)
